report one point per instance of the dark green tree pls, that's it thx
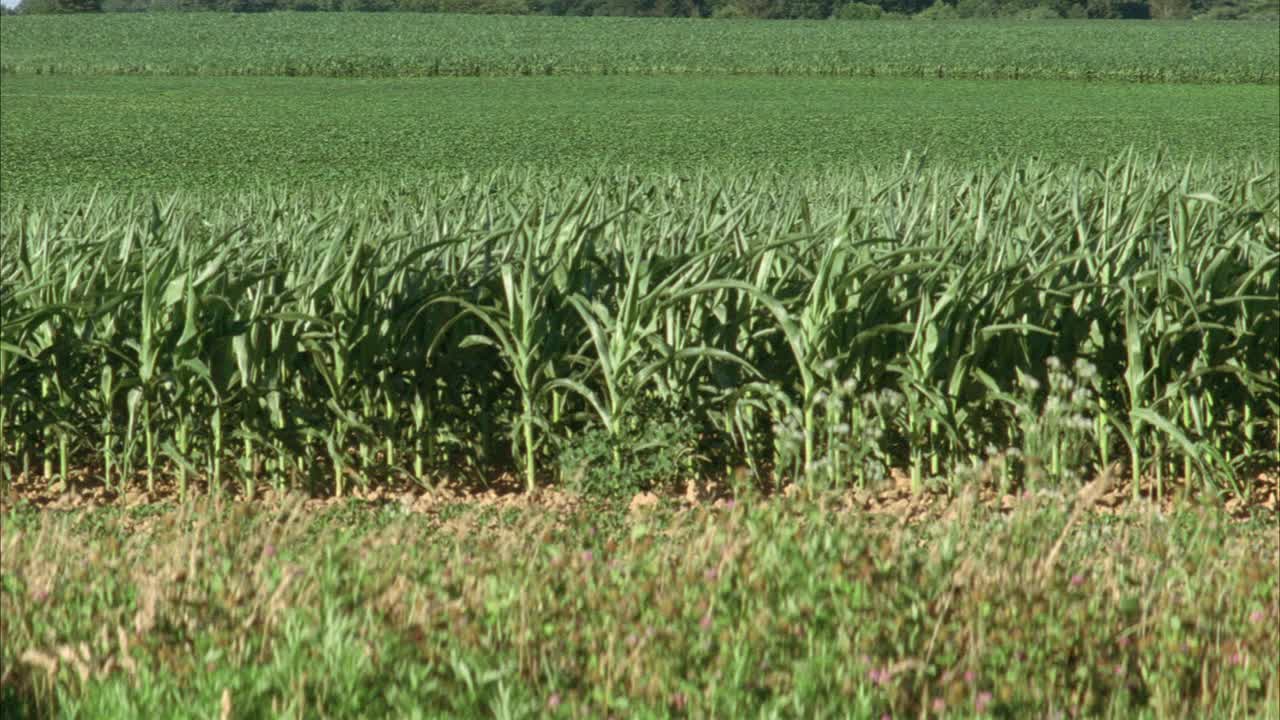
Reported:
(50, 7)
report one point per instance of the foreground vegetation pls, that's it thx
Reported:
(744, 609)
(921, 318)
(410, 45)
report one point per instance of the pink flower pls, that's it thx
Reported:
(982, 701)
(1077, 580)
(970, 676)
(587, 556)
(939, 705)
(678, 701)
(1257, 616)
(705, 623)
(553, 702)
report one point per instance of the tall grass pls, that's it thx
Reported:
(305, 611)
(830, 329)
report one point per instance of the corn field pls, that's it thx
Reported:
(432, 44)
(830, 327)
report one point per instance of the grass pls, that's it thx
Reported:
(397, 45)
(61, 134)
(755, 609)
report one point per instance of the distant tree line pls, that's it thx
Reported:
(768, 9)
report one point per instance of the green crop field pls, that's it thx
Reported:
(415, 45)
(552, 367)
(60, 133)
(918, 306)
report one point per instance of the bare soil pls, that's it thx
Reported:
(1111, 493)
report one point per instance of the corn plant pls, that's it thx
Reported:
(828, 326)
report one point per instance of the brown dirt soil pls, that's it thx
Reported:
(894, 498)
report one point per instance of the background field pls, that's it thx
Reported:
(377, 44)
(62, 133)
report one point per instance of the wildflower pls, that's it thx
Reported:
(553, 702)
(705, 623)
(269, 550)
(1077, 580)
(939, 705)
(711, 574)
(1257, 616)
(970, 676)
(587, 556)
(981, 702)
(678, 701)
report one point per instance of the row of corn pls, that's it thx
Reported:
(827, 326)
